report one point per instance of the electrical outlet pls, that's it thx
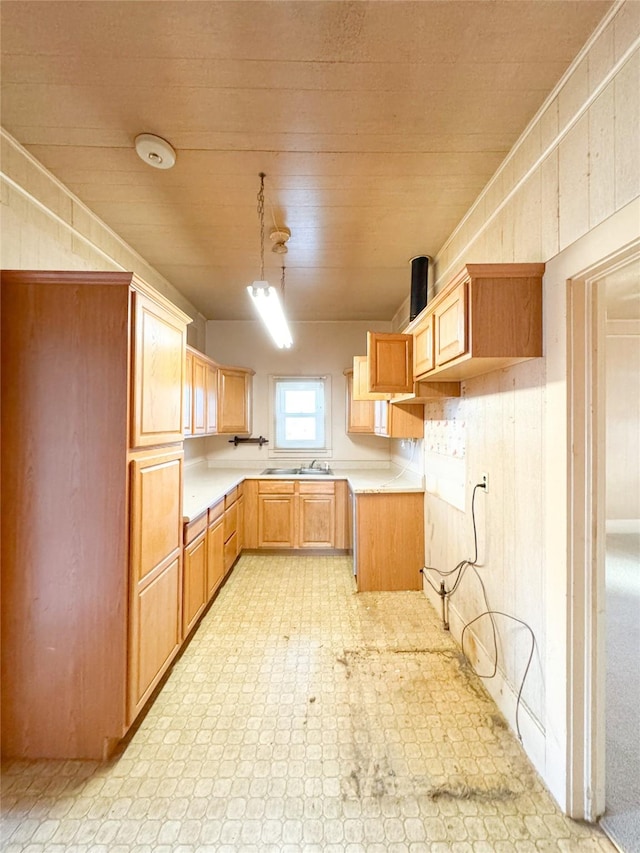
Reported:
(484, 479)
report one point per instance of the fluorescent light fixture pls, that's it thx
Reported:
(266, 300)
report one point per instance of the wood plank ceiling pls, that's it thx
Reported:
(377, 124)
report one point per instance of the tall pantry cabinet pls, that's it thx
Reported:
(92, 397)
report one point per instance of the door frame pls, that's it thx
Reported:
(586, 530)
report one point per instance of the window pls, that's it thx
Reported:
(300, 408)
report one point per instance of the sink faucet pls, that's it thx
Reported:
(313, 463)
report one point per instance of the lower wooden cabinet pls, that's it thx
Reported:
(316, 515)
(296, 514)
(388, 535)
(194, 589)
(215, 548)
(155, 610)
(233, 508)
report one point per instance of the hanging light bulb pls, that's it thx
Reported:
(265, 297)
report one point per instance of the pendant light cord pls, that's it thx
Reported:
(261, 218)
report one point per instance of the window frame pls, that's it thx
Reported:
(290, 452)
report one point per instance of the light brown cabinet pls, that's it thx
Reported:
(487, 318)
(296, 514)
(211, 399)
(381, 417)
(194, 587)
(276, 514)
(158, 354)
(187, 406)
(316, 515)
(360, 413)
(394, 420)
(215, 548)
(155, 560)
(390, 362)
(360, 390)
(91, 579)
(199, 396)
(388, 535)
(231, 526)
(219, 398)
(423, 352)
(234, 400)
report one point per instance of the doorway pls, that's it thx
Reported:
(621, 298)
(594, 690)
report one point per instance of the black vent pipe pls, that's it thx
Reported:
(419, 284)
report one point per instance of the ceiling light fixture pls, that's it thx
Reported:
(279, 237)
(265, 297)
(155, 151)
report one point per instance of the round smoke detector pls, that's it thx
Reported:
(155, 151)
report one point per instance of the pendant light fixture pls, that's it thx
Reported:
(265, 297)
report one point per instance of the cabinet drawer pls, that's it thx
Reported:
(230, 521)
(195, 528)
(314, 488)
(230, 551)
(231, 497)
(276, 487)
(216, 511)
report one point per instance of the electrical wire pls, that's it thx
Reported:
(406, 467)
(461, 568)
(493, 613)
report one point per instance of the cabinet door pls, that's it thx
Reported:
(360, 413)
(316, 516)
(199, 396)
(157, 375)
(361, 390)
(276, 521)
(187, 404)
(194, 588)
(215, 556)
(155, 571)
(390, 358)
(450, 325)
(423, 356)
(234, 402)
(211, 400)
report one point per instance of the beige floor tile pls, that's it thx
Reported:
(302, 717)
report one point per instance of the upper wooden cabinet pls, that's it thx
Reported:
(186, 396)
(360, 389)
(158, 359)
(211, 399)
(390, 362)
(488, 317)
(199, 398)
(423, 353)
(219, 397)
(360, 413)
(399, 421)
(234, 400)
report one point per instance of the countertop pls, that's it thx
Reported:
(203, 486)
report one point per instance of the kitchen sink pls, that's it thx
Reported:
(293, 472)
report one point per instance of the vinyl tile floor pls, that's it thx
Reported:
(302, 717)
